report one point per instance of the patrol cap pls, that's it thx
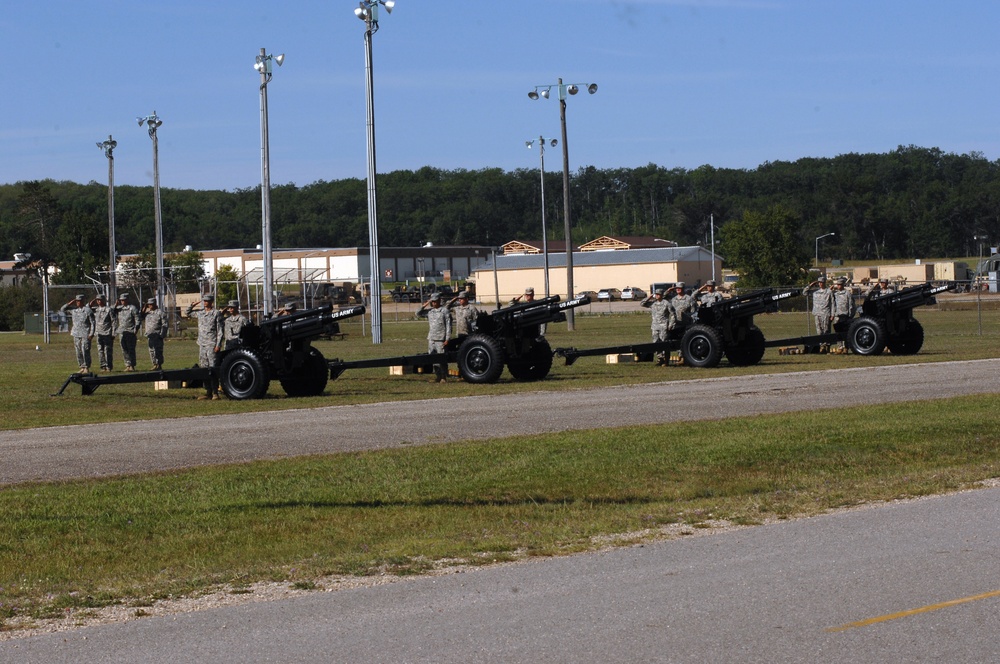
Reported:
(208, 297)
(658, 291)
(884, 280)
(435, 297)
(123, 296)
(289, 306)
(99, 297)
(679, 284)
(233, 304)
(842, 281)
(822, 277)
(710, 282)
(151, 300)
(529, 291)
(79, 297)
(464, 295)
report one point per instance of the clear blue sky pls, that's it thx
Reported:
(730, 83)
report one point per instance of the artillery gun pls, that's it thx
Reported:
(887, 321)
(279, 348)
(505, 337)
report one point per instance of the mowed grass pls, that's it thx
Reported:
(68, 547)
(28, 377)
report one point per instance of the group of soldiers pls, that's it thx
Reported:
(672, 315)
(834, 307)
(439, 324)
(216, 330)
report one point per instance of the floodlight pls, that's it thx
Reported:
(545, 93)
(592, 88)
(572, 89)
(533, 94)
(389, 4)
(361, 12)
(527, 144)
(554, 142)
(140, 121)
(279, 59)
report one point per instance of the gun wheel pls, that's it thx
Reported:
(242, 375)
(909, 342)
(701, 346)
(480, 359)
(533, 365)
(866, 336)
(749, 352)
(310, 379)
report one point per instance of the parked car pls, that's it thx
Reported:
(588, 293)
(609, 294)
(633, 293)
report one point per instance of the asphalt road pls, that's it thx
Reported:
(103, 450)
(908, 582)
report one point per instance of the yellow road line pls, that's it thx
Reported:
(912, 612)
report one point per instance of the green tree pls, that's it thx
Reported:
(226, 284)
(765, 248)
(186, 270)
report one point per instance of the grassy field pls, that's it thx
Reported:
(68, 548)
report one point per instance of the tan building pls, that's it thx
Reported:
(594, 270)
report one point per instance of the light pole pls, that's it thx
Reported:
(545, 236)
(109, 147)
(367, 11)
(153, 123)
(570, 88)
(263, 65)
(817, 247)
(979, 291)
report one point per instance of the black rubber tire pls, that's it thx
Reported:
(749, 352)
(480, 359)
(866, 336)
(310, 379)
(701, 346)
(242, 375)
(909, 342)
(533, 365)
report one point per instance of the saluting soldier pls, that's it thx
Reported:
(83, 330)
(822, 304)
(843, 308)
(465, 314)
(708, 295)
(129, 323)
(155, 326)
(684, 306)
(105, 325)
(211, 330)
(438, 331)
(663, 320)
(234, 324)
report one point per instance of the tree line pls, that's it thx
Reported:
(911, 202)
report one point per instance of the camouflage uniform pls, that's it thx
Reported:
(233, 325)
(843, 310)
(438, 333)
(823, 308)
(155, 326)
(83, 330)
(708, 299)
(662, 321)
(211, 332)
(105, 324)
(129, 323)
(465, 318)
(684, 307)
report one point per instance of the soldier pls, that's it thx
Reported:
(210, 334)
(709, 295)
(843, 308)
(438, 331)
(881, 288)
(529, 296)
(83, 330)
(465, 314)
(684, 306)
(286, 309)
(822, 304)
(155, 326)
(105, 324)
(663, 320)
(234, 324)
(129, 323)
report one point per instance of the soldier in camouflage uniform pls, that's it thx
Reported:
(684, 306)
(211, 331)
(129, 323)
(83, 330)
(105, 324)
(438, 331)
(709, 295)
(234, 324)
(155, 327)
(465, 314)
(663, 320)
(843, 308)
(822, 304)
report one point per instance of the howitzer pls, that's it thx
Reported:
(279, 348)
(887, 321)
(504, 337)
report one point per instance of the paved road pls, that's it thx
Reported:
(770, 594)
(134, 447)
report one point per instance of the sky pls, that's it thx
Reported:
(681, 84)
